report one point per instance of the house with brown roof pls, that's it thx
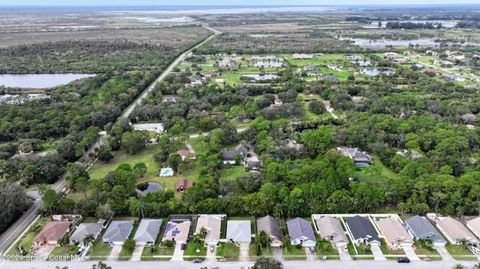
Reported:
(183, 185)
(52, 232)
(455, 231)
(271, 226)
(394, 233)
(186, 154)
(331, 229)
(474, 226)
(212, 224)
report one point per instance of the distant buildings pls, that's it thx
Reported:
(361, 158)
(151, 127)
(302, 56)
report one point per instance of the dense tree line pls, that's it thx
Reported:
(13, 202)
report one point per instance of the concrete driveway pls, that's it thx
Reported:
(114, 253)
(377, 253)
(277, 253)
(408, 249)
(137, 253)
(211, 256)
(178, 253)
(311, 255)
(444, 253)
(244, 252)
(343, 253)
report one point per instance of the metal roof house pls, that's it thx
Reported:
(212, 224)
(271, 226)
(455, 231)
(421, 228)
(239, 231)
(118, 232)
(394, 233)
(147, 231)
(85, 229)
(331, 229)
(301, 233)
(362, 231)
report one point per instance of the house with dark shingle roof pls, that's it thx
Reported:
(421, 228)
(271, 226)
(118, 232)
(230, 156)
(362, 231)
(301, 233)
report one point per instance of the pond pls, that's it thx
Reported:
(39, 81)
(147, 187)
(375, 72)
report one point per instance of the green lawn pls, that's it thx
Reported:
(421, 249)
(232, 172)
(388, 251)
(228, 251)
(195, 249)
(324, 247)
(458, 250)
(252, 251)
(62, 251)
(99, 251)
(361, 250)
(26, 241)
(294, 251)
(125, 254)
(150, 251)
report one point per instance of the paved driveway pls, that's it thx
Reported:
(408, 249)
(311, 255)
(114, 253)
(137, 253)
(444, 253)
(344, 255)
(211, 256)
(178, 253)
(377, 253)
(244, 252)
(277, 253)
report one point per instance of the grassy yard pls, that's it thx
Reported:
(150, 251)
(361, 250)
(458, 251)
(195, 249)
(325, 248)
(388, 251)
(421, 249)
(26, 241)
(294, 251)
(62, 251)
(228, 251)
(252, 251)
(99, 251)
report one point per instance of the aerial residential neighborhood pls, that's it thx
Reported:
(259, 135)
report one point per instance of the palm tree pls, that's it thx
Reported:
(458, 266)
(64, 241)
(88, 239)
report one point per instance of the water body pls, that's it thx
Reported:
(375, 72)
(39, 81)
(148, 187)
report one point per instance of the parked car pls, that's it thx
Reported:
(197, 260)
(403, 260)
(182, 247)
(212, 249)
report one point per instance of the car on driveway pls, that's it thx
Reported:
(403, 260)
(197, 260)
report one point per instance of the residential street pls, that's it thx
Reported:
(288, 265)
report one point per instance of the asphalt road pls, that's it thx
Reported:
(15, 230)
(238, 265)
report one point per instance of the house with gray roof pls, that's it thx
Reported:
(301, 233)
(147, 231)
(271, 226)
(361, 158)
(421, 228)
(85, 229)
(239, 231)
(245, 154)
(331, 229)
(362, 231)
(118, 232)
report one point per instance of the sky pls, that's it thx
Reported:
(226, 2)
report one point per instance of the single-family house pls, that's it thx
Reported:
(331, 229)
(361, 158)
(301, 56)
(186, 154)
(177, 231)
(118, 232)
(183, 184)
(271, 226)
(239, 231)
(85, 229)
(455, 231)
(301, 233)
(421, 228)
(309, 67)
(231, 156)
(169, 99)
(52, 232)
(147, 231)
(362, 231)
(212, 225)
(394, 233)
(474, 226)
(151, 127)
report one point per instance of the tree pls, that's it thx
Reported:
(319, 140)
(50, 199)
(263, 239)
(140, 169)
(174, 161)
(81, 185)
(316, 107)
(88, 239)
(101, 265)
(13, 203)
(267, 263)
(64, 241)
(105, 153)
(129, 245)
(133, 142)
